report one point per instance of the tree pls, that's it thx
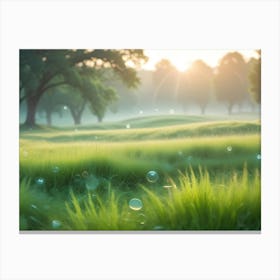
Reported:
(255, 78)
(165, 82)
(41, 70)
(198, 87)
(231, 80)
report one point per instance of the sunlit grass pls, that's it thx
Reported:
(195, 203)
(55, 165)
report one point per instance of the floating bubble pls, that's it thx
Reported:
(65, 108)
(171, 111)
(152, 176)
(91, 183)
(127, 126)
(40, 181)
(56, 224)
(259, 157)
(85, 174)
(55, 169)
(229, 148)
(135, 204)
(141, 112)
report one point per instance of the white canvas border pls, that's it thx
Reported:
(154, 24)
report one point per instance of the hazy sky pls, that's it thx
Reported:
(182, 59)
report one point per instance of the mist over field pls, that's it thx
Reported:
(106, 144)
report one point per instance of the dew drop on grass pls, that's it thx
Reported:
(135, 204)
(40, 181)
(85, 174)
(259, 157)
(152, 176)
(229, 148)
(127, 126)
(91, 183)
(55, 169)
(56, 224)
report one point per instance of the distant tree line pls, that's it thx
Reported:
(52, 81)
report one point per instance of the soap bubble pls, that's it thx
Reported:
(55, 169)
(56, 224)
(65, 108)
(152, 176)
(85, 174)
(91, 183)
(141, 112)
(135, 204)
(229, 148)
(127, 126)
(259, 156)
(40, 181)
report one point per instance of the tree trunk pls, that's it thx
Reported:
(99, 119)
(203, 108)
(230, 109)
(31, 103)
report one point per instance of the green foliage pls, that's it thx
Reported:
(255, 78)
(231, 80)
(41, 70)
(196, 85)
(195, 203)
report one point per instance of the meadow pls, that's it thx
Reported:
(163, 173)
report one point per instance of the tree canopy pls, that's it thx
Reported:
(41, 70)
(255, 78)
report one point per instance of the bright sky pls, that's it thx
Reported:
(182, 59)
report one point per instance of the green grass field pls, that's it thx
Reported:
(206, 175)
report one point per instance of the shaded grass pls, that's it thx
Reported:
(194, 203)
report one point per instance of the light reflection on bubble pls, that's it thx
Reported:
(91, 183)
(135, 204)
(259, 157)
(85, 174)
(56, 224)
(40, 181)
(127, 126)
(152, 176)
(229, 148)
(55, 169)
